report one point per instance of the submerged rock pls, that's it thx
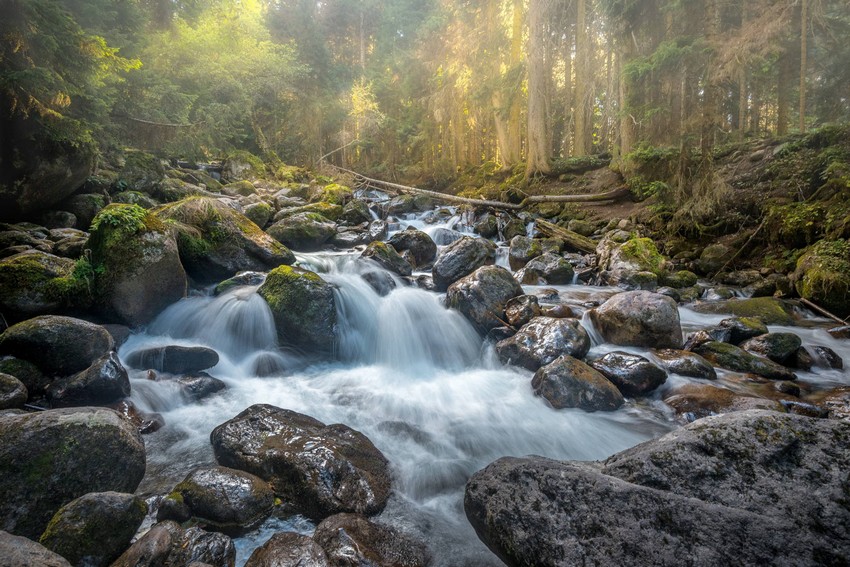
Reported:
(719, 491)
(481, 296)
(351, 539)
(169, 545)
(695, 401)
(733, 358)
(570, 383)
(95, 528)
(317, 469)
(49, 458)
(288, 549)
(639, 318)
(303, 307)
(200, 386)
(632, 374)
(543, 340)
(460, 259)
(174, 359)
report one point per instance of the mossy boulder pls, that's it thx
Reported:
(737, 359)
(95, 528)
(330, 211)
(712, 259)
(134, 198)
(681, 279)
(141, 172)
(386, 256)
(84, 206)
(549, 269)
(240, 164)
(49, 458)
(823, 276)
(58, 345)
(621, 261)
(239, 189)
(522, 250)
(333, 193)
(303, 307)
(355, 212)
(769, 310)
(303, 231)
(35, 283)
(216, 241)
(25, 371)
(259, 213)
(136, 264)
(220, 498)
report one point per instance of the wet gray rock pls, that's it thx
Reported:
(481, 296)
(200, 386)
(351, 539)
(317, 469)
(27, 372)
(220, 498)
(695, 401)
(487, 226)
(736, 359)
(17, 551)
(548, 268)
(355, 212)
(741, 329)
(57, 345)
(461, 259)
(421, 247)
(778, 347)
(718, 491)
(825, 357)
(13, 392)
(49, 458)
(288, 549)
(639, 318)
(445, 236)
(169, 545)
(386, 256)
(104, 382)
(96, 528)
(684, 363)
(174, 359)
(543, 340)
(633, 375)
(522, 250)
(522, 309)
(570, 383)
(303, 231)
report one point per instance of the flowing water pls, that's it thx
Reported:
(411, 375)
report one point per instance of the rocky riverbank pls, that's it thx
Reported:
(102, 346)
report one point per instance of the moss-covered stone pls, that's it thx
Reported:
(141, 172)
(733, 358)
(335, 194)
(330, 211)
(303, 231)
(239, 189)
(303, 306)
(642, 251)
(35, 283)
(387, 257)
(769, 310)
(823, 275)
(259, 213)
(216, 241)
(681, 279)
(241, 164)
(134, 198)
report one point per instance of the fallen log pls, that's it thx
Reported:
(613, 195)
(573, 239)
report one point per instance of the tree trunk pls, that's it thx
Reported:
(568, 85)
(500, 124)
(537, 160)
(804, 16)
(783, 100)
(514, 124)
(581, 102)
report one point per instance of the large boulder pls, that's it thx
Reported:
(95, 528)
(36, 283)
(386, 256)
(521, 250)
(570, 383)
(18, 551)
(619, 261)
(49, 458)
(288, 549)
(422, 249)
(216, 241)
(104, 382)
(548, 269)
(57, 345)
(639, 318)
(459, 259)
(303, 307)
(317, 469)
(351, 539)
(742, 488)
(823, 275)
(481, 296)
(169, 545)
(220, 498)
(543, 340)
(769, 310)
(174, 359)
(303, 231)
(631, 373)
(137, 264)
(737, 359)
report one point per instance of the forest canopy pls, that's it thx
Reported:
(414, 86)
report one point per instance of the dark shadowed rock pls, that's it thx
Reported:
(219, 497)
(288, 549)
(317, 469)
(200, 386)
(570, 383)
(174, 359)
(719, 491)
(459, 259)
(351, 539)
(27, 372)
(17, 551)
(632, 374)
(13, 393)
(684, 363)
(421, 247)
(778, 347)
(95, 528)
(49, 458)
(481, 296)
(742, 328)
(733, 358)
(33, 282)
(57, 345)
(169, 545)
(543, 340)
(104, 382)
(548, 268)
(639, 318)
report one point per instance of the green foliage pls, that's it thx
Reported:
(128, 219)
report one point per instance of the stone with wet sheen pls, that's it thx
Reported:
(543, 340)
(174, 359)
